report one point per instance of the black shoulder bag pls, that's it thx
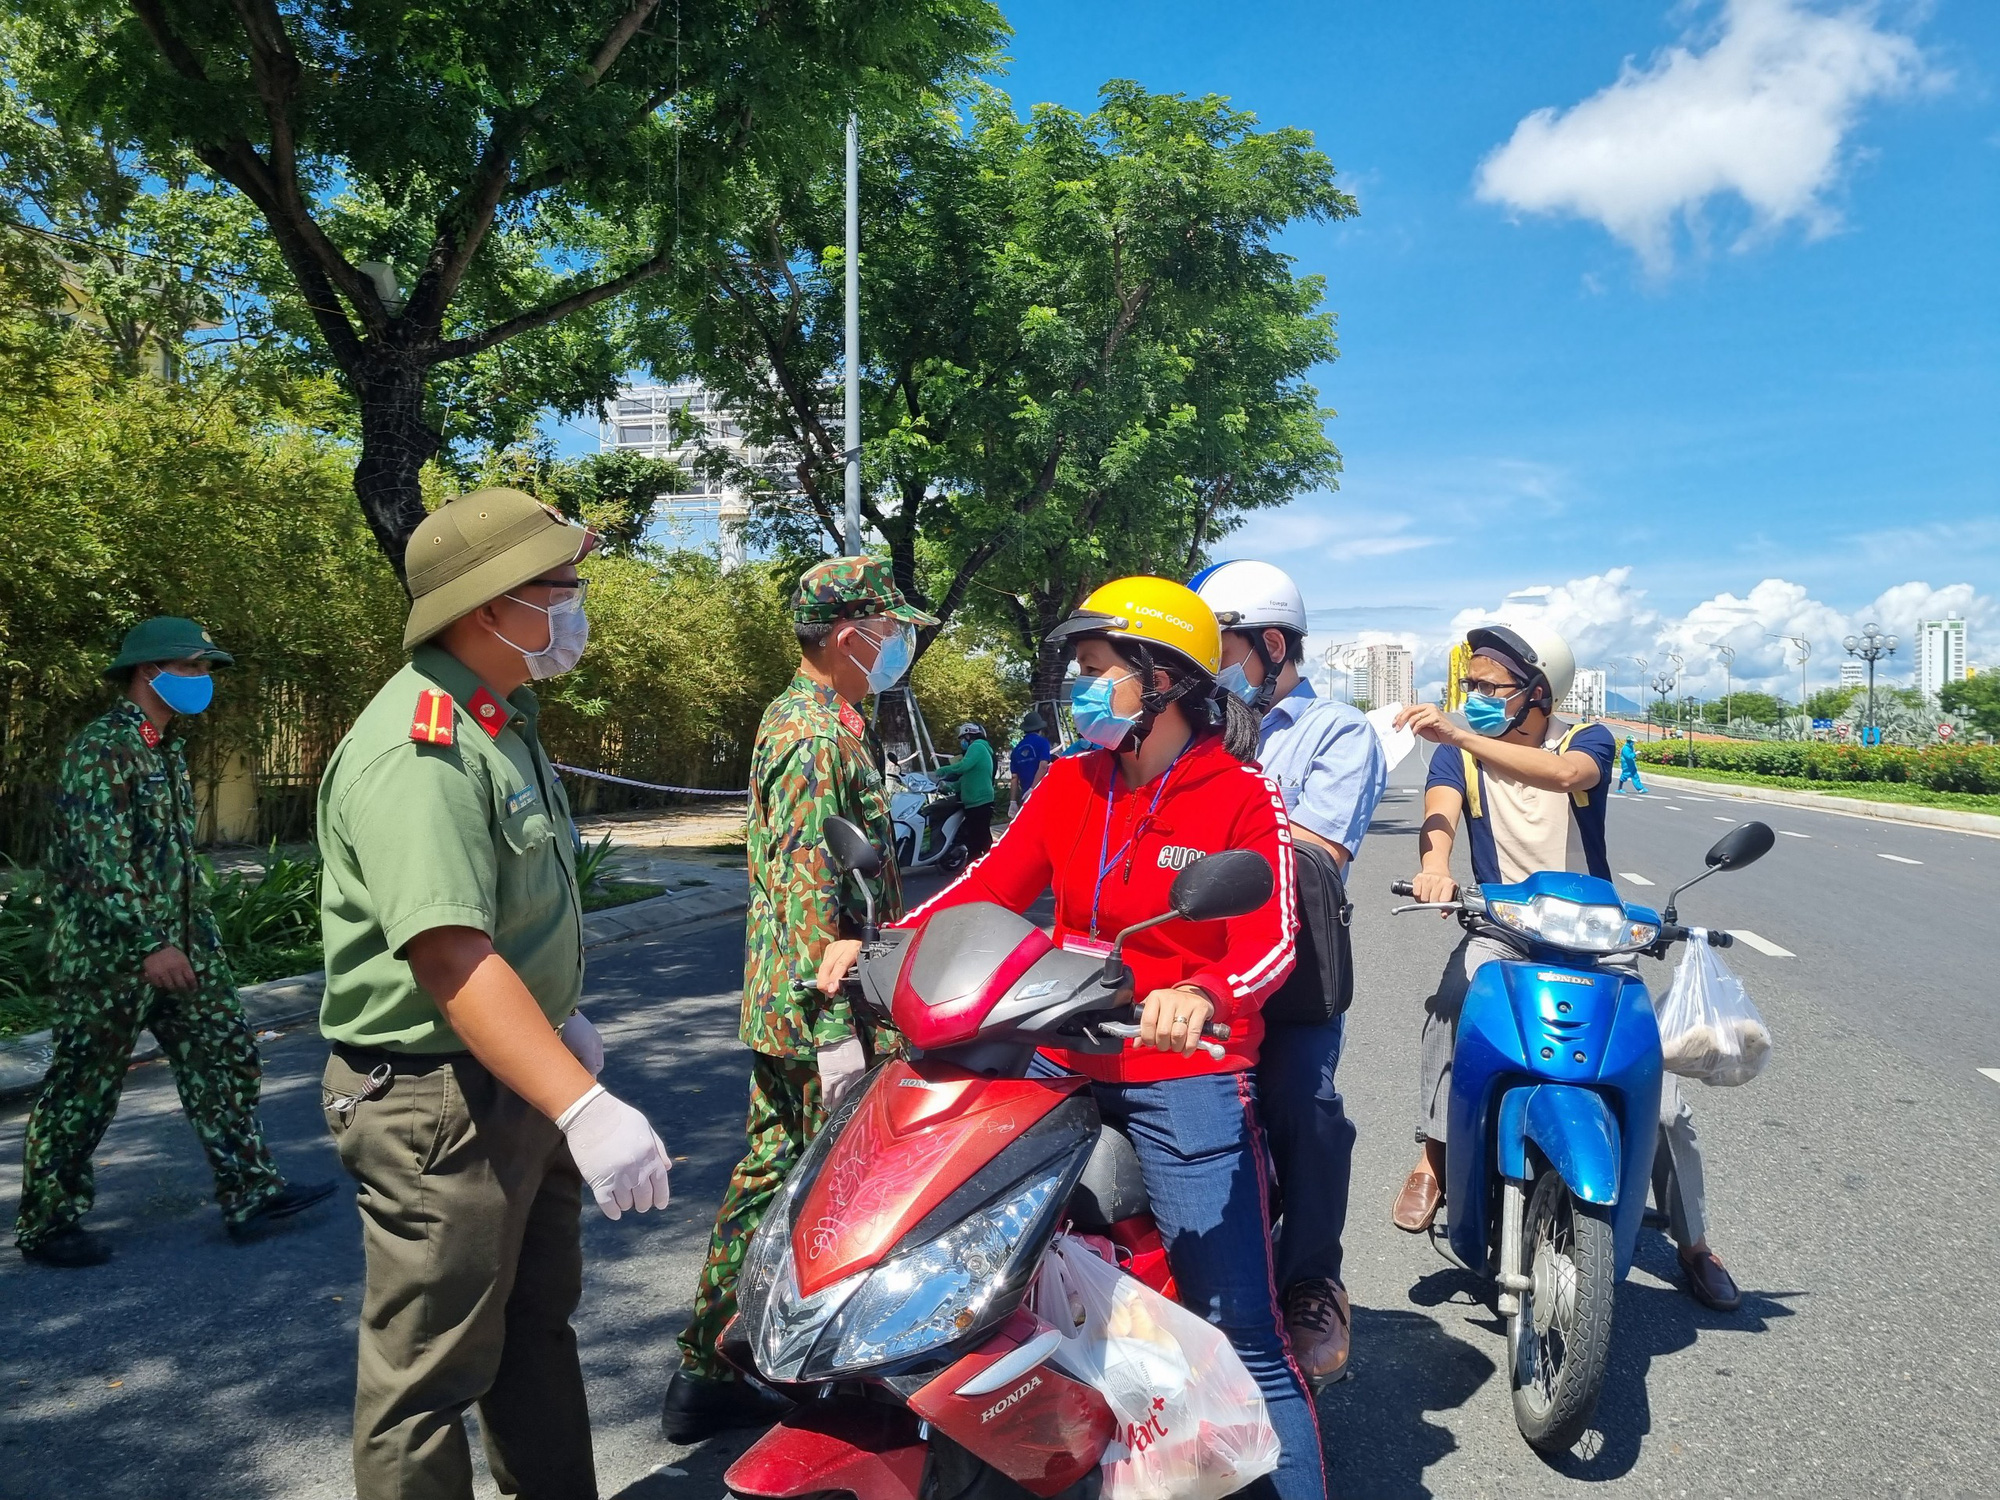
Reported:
(1322, 985)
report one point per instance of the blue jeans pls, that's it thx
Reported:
(1312, 1145)
(1201, 1152)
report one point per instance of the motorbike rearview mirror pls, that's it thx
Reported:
(1216, 886)
(1222, 885)
(1744, 844)
(853, 854)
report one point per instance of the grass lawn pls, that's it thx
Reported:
(1863, 791)
(609, 893)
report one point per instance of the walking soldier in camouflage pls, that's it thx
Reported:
(815, 758)
(135, 947)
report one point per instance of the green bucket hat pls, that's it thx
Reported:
(853, 588)
(167, 638)
(478, 547)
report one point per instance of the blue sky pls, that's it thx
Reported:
(1712, 351)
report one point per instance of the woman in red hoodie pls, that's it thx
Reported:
(1168, 783)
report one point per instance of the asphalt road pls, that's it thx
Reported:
(1852, 1190)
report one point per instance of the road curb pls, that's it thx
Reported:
(286, 1002)
(1985, 824)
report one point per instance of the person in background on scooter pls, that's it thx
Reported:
(1030, 753)
(1628, 766)
(973, 774)
(815, 758)
(1327, 761)
(1531, 788)
(1169, 781)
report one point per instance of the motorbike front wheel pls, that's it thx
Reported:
(1559, 1341)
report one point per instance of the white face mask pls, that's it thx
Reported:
(569, 633)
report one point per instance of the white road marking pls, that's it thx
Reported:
(1992, 1073)
(1790, 835)
(1762, 944)
(1671, 808)
(1720, 819)
(1899, 859)
(1635, 879)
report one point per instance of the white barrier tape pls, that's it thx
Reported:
(650, 786)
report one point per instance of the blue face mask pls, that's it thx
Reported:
(1233, 679)
(1096, 720)
(184, 695)
(1487, 716)
(892, 660)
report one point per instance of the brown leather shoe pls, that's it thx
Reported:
(1709, 1283)
(1316, 1317)
(1417, 1204)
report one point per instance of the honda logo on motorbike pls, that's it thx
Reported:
(1011, 1399)
(1178, 856)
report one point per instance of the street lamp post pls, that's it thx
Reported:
(1640, 683)
(1805, 652)
(1728, 655)
(1680, 662)
(1871, 646)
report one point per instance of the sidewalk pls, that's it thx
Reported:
(702, 882)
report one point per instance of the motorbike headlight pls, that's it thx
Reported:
(1575, 925)
(931, 1295)
(792, 1324)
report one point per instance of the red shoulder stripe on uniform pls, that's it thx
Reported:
(433, 722)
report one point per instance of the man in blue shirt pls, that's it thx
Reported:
(1531, 791)
(1030, 754)
(1327, 760)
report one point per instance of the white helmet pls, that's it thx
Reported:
(1540, 648)
(1251, 596)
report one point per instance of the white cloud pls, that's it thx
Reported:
(1761, 113)
(1608, 623)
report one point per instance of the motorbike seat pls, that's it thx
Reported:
(1111, 1188)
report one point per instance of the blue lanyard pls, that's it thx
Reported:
(1105, 863)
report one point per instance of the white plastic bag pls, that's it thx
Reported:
(1191, 1421)
(1709, 1030)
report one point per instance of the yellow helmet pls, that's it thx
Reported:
(1155, 612)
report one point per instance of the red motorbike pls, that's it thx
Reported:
(885, 1290)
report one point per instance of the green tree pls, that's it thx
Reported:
(492, 187)
(1082, 350)
(1976, 700)
(1833, 702)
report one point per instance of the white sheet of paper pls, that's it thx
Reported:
(1396, 743)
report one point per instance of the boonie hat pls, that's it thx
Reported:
(167, 638)
(853, 588)
(478, 547)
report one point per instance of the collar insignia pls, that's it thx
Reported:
(855, 724)
(489, 713)
(149, 734)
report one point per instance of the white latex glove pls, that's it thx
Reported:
(840, 1068)
(584, 1044)
(617, 1153)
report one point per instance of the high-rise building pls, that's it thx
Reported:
(1586, 695)
(1389, 675)
(1853, 674)
(686, 423)
(1940, 654)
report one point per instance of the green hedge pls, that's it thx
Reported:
(1940, 768)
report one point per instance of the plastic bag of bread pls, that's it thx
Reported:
(1191, 1422)
(1709, 1030)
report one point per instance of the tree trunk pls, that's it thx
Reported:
(1050, 610)
(396, 443)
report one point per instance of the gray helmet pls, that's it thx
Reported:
(971, 731)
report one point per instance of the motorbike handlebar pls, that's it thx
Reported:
(1402, 888)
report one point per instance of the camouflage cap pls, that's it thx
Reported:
(853, 588)
(167, 638)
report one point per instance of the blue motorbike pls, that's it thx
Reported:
(1554, 1111)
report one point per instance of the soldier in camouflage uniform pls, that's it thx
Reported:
(135, 947)
(815, 758)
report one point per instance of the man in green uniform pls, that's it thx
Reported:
(134, 948)
(462, 1088)
(815, 758)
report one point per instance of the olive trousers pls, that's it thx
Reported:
(470, 1224)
